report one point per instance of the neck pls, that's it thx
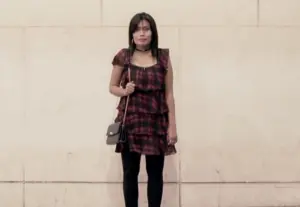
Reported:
(142, 49)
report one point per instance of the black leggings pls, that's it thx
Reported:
(131, 169)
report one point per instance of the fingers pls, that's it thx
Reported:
(130, 87)
(172, 141)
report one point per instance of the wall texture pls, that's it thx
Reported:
(237, 92)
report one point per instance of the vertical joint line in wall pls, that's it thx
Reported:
(25, 73)
(257, 13)
(25, 91)
(23, 186)
(101, 12)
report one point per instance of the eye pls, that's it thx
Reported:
(139, 28)
(146, 29)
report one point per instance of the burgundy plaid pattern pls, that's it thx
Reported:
(147, 113)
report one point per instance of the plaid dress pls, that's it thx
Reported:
(147, 112)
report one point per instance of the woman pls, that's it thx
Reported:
(150, 118)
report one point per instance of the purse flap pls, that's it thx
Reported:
(113, 129)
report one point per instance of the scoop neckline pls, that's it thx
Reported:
(148, 67)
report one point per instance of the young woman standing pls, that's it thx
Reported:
(145, 73)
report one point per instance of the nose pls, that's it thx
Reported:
(142, 32)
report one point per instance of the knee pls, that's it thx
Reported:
(155, 168)
(131, 173)
(155, 174)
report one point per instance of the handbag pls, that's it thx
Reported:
(116, 132)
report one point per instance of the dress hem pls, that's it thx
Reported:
(119, 150)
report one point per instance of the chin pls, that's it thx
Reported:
(143, 44)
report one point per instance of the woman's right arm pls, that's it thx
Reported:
(114, 85)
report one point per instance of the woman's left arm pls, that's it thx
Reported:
(170, 100)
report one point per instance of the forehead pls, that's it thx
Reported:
(143, 23)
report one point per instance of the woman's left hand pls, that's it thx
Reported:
(172, 136)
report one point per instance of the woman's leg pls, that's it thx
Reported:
(155, 167)
(131, 169)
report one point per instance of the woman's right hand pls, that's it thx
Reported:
(129, 88)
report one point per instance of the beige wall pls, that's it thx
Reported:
(237, 92)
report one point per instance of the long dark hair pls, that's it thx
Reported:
(133, 25)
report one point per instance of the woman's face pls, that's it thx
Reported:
(143, 34)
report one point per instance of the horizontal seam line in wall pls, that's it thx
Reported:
(161, 26)
(277, 206)
(167, 182)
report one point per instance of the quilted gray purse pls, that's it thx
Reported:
(116, 132)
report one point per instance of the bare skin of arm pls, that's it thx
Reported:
(114, 85)
(170, 100)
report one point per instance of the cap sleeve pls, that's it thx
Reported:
(164, 57)
(120, 58)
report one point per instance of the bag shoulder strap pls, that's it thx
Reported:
(129, 70)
